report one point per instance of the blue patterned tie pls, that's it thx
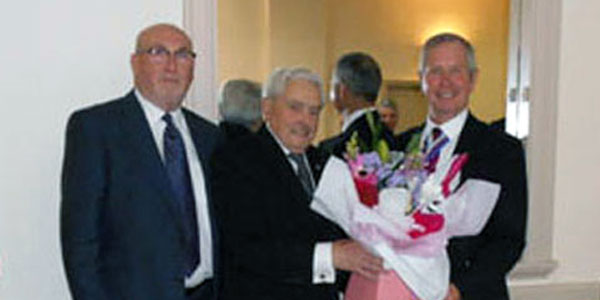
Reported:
(433, 148)
(179, 175)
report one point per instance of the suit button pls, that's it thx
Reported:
(467, 263)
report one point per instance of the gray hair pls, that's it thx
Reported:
(239, 102)
(441, 38)
(360, 73)
(281, 78)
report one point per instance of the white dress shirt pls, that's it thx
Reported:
(157, 125)
(348, 119)
(323, 270)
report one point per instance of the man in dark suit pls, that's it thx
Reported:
(276, 247)
(239, 107)
(479, 264)
(356, 82)
(136, 212)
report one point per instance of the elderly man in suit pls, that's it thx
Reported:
(276, 247)
(136, 219)
(479, 264)
(355, 84)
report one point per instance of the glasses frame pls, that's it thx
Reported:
(161, 54)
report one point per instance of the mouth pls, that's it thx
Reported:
(170, 80)
(446, 95)
(301, 131)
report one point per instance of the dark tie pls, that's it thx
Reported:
(435, 133)
(179, 176)
(303, 173)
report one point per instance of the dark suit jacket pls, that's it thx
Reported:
(269, 230)
(230, 130)
(121, 233)
(480, 264)
(337, 145)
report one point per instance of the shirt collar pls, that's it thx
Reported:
(451, 128)
(286, 151)
(154, 113)
(349, 119)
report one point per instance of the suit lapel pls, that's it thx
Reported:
(200, 144)
(203, 147)
(137, 133)
(468, 136)
(282, 166)
(468, 142)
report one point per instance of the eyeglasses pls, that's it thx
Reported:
(160, 54)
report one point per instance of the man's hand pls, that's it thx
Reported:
(349, 255)
(453, 293)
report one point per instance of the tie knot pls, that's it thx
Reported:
(168, 119)
(297, 158)
(436, 133)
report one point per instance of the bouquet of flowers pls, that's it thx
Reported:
(402, 210)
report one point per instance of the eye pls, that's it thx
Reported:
(185, 54)
(295, 106)
(158, 51)
(314, 111)
(437, 71)
(456, 71)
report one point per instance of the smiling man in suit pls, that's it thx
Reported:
(479, 264)
(136, 212)
(276, 246)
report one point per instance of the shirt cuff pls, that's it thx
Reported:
(323, 271)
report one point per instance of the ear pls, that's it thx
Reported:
(133, 61)
(421, 75)
(474, 76)
(266, 106)
(343, 91)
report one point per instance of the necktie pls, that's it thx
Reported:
(435, 133)
(178, 171)
(303, 173)
(433, 149)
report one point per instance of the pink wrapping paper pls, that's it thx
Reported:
(387, 287)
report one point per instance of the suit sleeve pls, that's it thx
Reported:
(83, 189)
(504, 235)
(251, 240)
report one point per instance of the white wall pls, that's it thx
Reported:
(56, 56)
(577, 189)
(576, 177)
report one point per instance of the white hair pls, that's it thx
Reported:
(281, 78)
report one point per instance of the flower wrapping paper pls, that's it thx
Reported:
(421, 262)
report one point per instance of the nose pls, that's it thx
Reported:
(171, 63)
(445, 78)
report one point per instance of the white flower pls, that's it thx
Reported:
(393, 203)
(431, 196)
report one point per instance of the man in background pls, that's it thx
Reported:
(387, 112)
(136, 218)
(239, 107)
(479, 264)
(276, 246)
(355, 85)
